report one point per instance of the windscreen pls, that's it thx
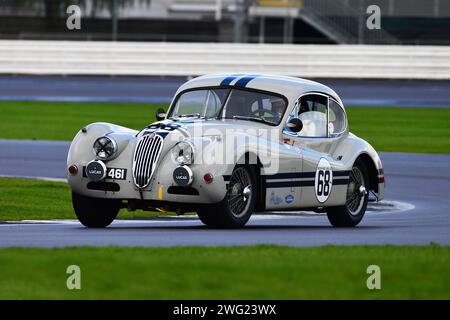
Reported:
(234, 103)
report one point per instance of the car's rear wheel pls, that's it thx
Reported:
(95, 212)
(350, 214)
(237, 207)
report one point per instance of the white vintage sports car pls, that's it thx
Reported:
(229, 145)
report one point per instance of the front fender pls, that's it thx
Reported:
(81, 146)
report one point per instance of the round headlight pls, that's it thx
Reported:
(183, 153)
(104, 148)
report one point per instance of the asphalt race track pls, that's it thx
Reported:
(161, 90)
(27, 158)
(416, 211)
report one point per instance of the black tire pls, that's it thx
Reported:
(95, 212)
(350, 214)
(233, 211)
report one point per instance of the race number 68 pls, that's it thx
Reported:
(323, 185)
(323, 180)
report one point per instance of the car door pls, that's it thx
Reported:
(314, 143)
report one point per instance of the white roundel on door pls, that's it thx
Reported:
(324, 180)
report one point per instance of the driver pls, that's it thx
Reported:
(303, 107)
(277, 109)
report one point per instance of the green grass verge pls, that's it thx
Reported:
(258, 272)
(25, 199)
(61, 121)
(423, 130)
(387, 129)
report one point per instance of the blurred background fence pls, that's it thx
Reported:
(180, 59)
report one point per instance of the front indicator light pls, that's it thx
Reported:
(73, 170)
(208, 178)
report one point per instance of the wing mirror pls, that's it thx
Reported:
(160, 114)
(295, 125)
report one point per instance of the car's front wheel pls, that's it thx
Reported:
(237, 207)
(95, 212)
(350, 214)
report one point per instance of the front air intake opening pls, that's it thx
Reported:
(146, 156)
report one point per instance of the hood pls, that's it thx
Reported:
(197, 128)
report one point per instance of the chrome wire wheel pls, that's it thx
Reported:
(239, 194)
(356, 192)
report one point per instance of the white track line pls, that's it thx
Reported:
(383, 207)
(128, 222)
(393, 207)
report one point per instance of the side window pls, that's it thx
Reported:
(337, 119)
(312, 111)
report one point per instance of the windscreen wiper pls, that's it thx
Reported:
(189, 115)
(250, 119)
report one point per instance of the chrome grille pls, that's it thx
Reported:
(145, 157)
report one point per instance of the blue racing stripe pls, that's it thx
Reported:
(340, 173)
(229, 79)
(341, 182)
(242, 82)
(291, 175)
(289, 184)
(341, 176)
